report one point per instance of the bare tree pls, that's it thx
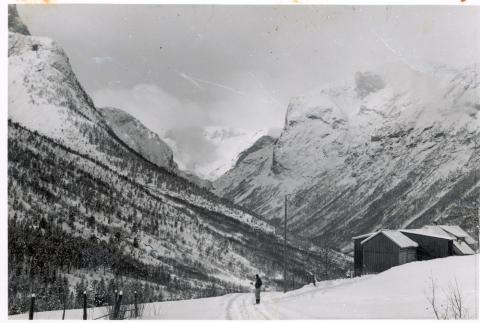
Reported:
(432, 298)
(453, 308)
(455, 302)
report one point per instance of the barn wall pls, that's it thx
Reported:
(379, 254)
(431, 247)
(407, 255)
(357, 257)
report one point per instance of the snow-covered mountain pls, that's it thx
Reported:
(210, 151)
(147, 143)
(15, 24)
(44, 94)
(139, 137)
(388, 149)
(84, 198)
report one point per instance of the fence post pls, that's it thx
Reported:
(32, 307)
(115, 303)
(64, 305)
(116, 308)
(84, 305)
(119, 301)
(136, 305)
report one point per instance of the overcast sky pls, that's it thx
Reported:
(181, 66)
(176, 66)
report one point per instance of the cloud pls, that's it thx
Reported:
(192, 149)
(184, 66)
(181, 122)
(100, 60)
(153, 106)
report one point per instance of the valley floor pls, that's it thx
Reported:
(398, 293)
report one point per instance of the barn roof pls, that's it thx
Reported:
(458, 232)
(396, 237)
(430, 232)
(462, 248)
(366, 235)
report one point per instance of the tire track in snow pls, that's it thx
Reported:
(230, 306)
(253, 311)
(242, 307)
(261, 310)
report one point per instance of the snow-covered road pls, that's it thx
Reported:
(398, 293)
(275, 305)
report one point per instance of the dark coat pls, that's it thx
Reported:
(258, 283)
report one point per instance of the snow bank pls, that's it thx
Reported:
(398, 293)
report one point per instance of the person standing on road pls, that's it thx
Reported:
(258, 286)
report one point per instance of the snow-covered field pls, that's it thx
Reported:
(398, 293)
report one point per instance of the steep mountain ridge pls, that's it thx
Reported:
(139, 138)
(15, 24)
(385, 150)
(45, 95)
(147, 143)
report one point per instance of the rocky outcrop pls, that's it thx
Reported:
(140, 138)
(15, 24)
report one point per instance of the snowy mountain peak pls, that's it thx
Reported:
(45, 95)
(139, 137)
(261, 143)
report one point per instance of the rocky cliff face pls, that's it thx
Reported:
(381, 151)
(140, 138)
(15, 24)
(45, 95)
(147, 143)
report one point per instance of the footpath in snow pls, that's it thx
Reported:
(398, 293)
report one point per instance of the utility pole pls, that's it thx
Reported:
(477, 200)
(285, 248)
(475, 170)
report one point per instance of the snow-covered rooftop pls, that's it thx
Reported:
(462, 248)
(397, 237)
(430, 231)
(458, 232)
(362, 236)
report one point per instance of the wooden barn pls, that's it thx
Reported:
(431, 244)
(464, 244)
(378, 251)
(358, 253)
(385, 249)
